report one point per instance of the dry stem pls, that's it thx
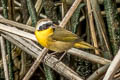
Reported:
(113, 67)
(4, 58)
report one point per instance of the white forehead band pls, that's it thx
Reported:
(42, 23)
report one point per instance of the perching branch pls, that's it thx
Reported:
(49, 60)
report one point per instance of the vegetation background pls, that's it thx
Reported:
(95, 21)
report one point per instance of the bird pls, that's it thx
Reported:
(56, 38)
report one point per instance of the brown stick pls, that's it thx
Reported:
(35, 65)
(69, 13)
(16, 24)
(98, 73)
(17, 3)
(88, 56)
(4, 58)
(17, 32)
(92, 29)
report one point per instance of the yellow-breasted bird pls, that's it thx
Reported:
(56, 38)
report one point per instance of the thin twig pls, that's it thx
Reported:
(42, 16)
(17, 18)
(13, 57)
(92, 29)
(16, 8)
(102, 1)
(99, 72)
(69, 13)
(16, 24)
(11, 13)
(35, 65)
(4, 58)
(17, 3)
(4, 6)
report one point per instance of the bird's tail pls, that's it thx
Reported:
(84, 45)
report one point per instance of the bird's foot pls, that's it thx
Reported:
(60, 58)
(51, 55)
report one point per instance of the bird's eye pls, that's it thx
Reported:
(40, 28)
(44, 26)
(48, 25)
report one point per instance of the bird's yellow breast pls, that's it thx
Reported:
(43, 35)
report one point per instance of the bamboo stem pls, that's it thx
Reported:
(38, 9)
(4, 5)
(32, 12)
(113, 24)
(10, 61)
(48, 72)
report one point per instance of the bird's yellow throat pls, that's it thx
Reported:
(43, 35)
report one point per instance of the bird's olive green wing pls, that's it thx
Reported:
(61, 34)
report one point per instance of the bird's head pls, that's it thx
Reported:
(44, 24)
